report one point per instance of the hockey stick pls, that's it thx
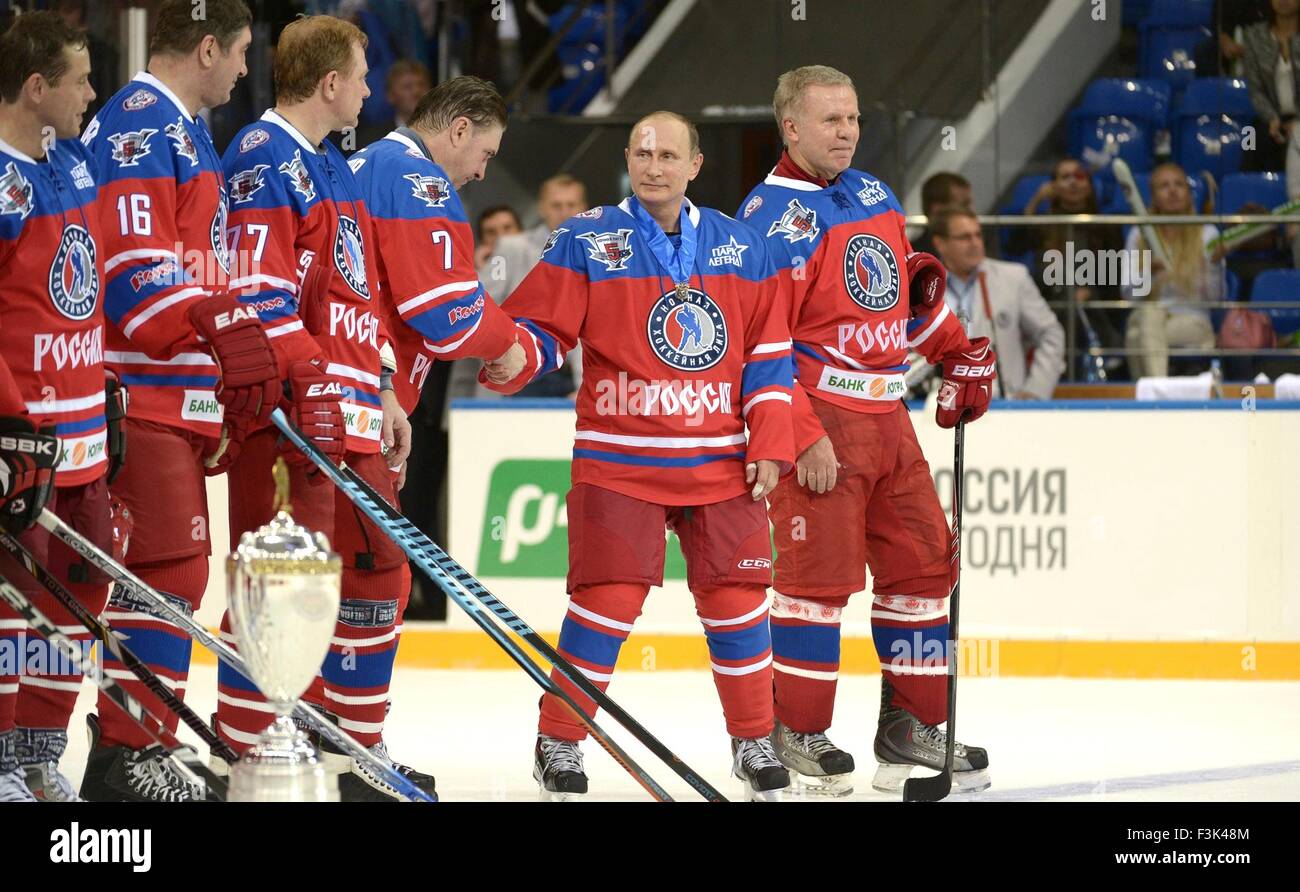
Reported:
(932, 789)
(402, 529)
(114, 646)
(370, 505)
(183, 758)
(228, 655)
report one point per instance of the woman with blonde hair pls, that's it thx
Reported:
(1172, 315)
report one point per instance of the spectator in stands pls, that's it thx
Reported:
(1222, 54)
(407, 81)
(999, 300)
(943, 188)
(493, 223)
(1070, 191)
(1171, 314)
(1274, 81)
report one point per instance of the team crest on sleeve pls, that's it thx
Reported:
(74, 282)
(754, 204)
(138, 100)
(796, 224)
(871, 192)
(591, 213)
(296, 171)
(350, 256)
(728, 254)
(552, 239)
(871, 272)
(433, 191)
(252, 139)
(610, 248)
(131, 145)
(245, 184)
(688, 334)
(15, 192)
(180, 137)
(81, 177)
(218, 233)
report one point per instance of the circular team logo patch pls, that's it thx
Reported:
(689, 334)
(350, 257)
(218, 234)
(74, 283)
(871, 272)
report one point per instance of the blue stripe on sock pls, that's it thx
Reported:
(814, 643)
(156, 647)
(740, 644)
(913, 644)
(368, 670)
(589, 645)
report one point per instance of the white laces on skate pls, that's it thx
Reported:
(152, 777)
(935, 736)
(13, 787)
(815, 745)
(560, 756)
(757, 753)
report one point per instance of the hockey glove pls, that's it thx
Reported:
(313, 405)
(28, 458)
(116, 399)
(967, 384)
(249, 386)
(926, 281)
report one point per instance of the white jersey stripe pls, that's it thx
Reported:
(662, 442)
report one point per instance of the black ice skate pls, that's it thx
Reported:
(904, 743)
(359, 783)
(820, 768)
(557, 768)
(755, 762)
(121, 774)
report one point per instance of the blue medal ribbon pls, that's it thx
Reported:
(676, 261)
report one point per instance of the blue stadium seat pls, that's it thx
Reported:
(1169, 52)
(1267, 189)
(1134, 11)
(1208, 143)
(1278, 285)
(1179, 12)
(1218, 96)
(1145, 99)
(1097, 140)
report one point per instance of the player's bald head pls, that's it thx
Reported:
(650, 130)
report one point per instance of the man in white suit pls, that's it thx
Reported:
(1000, 301)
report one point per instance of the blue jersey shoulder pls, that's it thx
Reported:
(399, 182)
(265, 168)
(729, 246)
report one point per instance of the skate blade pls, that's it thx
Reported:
(890, 777)
(545, 795)
(824, 786)
(753, 795)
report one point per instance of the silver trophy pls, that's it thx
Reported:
(282, 586)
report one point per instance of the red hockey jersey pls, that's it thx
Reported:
(435, 307)
(51, 314)
(669, 383)
(163, 210)
(292, 205)
(840, 250)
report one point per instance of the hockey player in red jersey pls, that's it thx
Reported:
(683, 348)
(436, 308)
(859, 299)
(295, 199)
(199, 368)
(53, 412)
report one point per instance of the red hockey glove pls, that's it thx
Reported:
(28, 458)
(313, 398)
(249, 386)
(967, 384)
(926, 280)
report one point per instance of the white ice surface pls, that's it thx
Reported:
(1048, 739)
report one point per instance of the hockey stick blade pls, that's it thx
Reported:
(226, 654)
(411, 533)
(370, 506)
(119, 651)
(186, 763)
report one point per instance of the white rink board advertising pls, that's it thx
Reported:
(1080, 523)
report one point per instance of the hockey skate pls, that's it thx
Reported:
(38, 752)
(357, 782)
(13, 787)
(904, 743)
(818, 767)
(557, 768)
(755, 762)
(121, 774)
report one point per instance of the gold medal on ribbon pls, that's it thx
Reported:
(683, 291)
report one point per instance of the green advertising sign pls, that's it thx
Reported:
(526, 525)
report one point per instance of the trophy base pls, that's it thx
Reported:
(281, 767)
